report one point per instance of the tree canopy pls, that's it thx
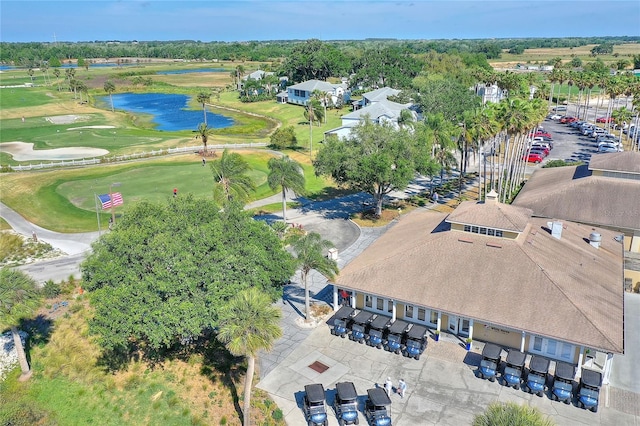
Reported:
(375, 158)
(162, 275)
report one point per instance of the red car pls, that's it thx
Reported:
(542, 134)
(533, 158)
(568, 119)
(604, 120)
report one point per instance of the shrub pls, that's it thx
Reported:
(277, 414)
(511, 414)
(284, 137)
(50, 289)
(561, 163)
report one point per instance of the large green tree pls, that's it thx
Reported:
(231, 179)
(309, 249)
(387, 66)
(249, 323)
(375, 158)
(19, 298)
(447, 97)
(160, 278)
(286, 174)
(314, 59)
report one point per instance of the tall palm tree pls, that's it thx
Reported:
(19, 298)
(249, 323)
(621, 117)
(312, 112)
(203, 98)
(288, 175)
(203, 132)
(30, 72)
(56, 72)
(109, 87)
(309, 252)
(239, 73)
(231, 179)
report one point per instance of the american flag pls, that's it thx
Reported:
(105, 200)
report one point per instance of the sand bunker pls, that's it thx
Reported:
(66, 119)
(22, 151)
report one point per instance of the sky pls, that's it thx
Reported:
(245, 20)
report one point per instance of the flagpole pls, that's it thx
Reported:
(113, 212)
(95, 200)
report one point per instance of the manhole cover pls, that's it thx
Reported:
(319, 367)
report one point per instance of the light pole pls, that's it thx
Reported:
(113, 212)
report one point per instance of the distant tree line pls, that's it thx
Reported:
(33, 54)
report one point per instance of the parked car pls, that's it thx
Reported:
(514, 369)
(533, 158)
(346, 403)
(609, 147)
(537, 377)
(415, 341)
(555, 116)
(589, 390)
(541, 144)
(395, 336)
(490, 362)
(559, 108)
(377, 329)
(341, 320)
(375, 407)
(568, 119)
(604, 120)
(542, 134)
(540, 151)
(359, 325)
(562, 389)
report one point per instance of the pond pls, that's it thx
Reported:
(169, 111)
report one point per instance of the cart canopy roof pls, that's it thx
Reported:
(363, 317)
(539, 364)
(398, 327)
(565, 371)
(417, 332)
(379, 397)
(491, 351)
(380, 322)
(343, 312)
(315, 392)
(516, 358)
(346, 391)
(591, 378)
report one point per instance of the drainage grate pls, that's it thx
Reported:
(319, 367)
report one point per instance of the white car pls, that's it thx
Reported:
(609, 147)
(555, 116)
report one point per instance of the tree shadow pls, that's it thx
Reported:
(39, 330)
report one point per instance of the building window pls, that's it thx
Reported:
(296, 92)
(498, 233)
(368, 301)
(390, 306)
(379, 303)
(474, 229)
(537, 344)
(552, 348)
(467, 228)
(433, 317)
(422, 314)
(408, 311)
(566, 351)
(491, 232)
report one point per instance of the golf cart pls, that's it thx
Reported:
(512, 374)
(395, 335)
(375, 407)
(340, 320)
(346, 404)
(376, 330)
(537, 377)
(416, 341)
(490, 362)
(314, 408)
(589, 390)
(563, 382)
(359, 324)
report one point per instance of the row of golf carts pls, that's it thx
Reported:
(345, 404)
(379, 331)
(536, 379)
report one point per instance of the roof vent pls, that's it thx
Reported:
(556, 229)
(491, 197)
(595, 239)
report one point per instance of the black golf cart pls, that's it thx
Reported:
(346, 404)
(589, 390)
(395, 334)
(314, 408)
(490, 362)
(359, 325)
(375, 407)
(562, 388)
(339, 322)
(415, 341)
(537, 377)
(512, 374)
(376, 331)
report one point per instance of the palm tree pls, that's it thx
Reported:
(287, 174)
(249, 323)
(30, 72)
(309, 252)
(109, 87)
(56, 72)
(203, 98)
(19, 298)
(239, 71)
(621, 117)
(312, 112)
(203, 132)
(232, 183)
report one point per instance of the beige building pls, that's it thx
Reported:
(492, 272)
(606, 194)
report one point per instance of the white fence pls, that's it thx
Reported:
(118, 158)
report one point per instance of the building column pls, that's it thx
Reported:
(439, 322)
(470, 329)
(580, 356)
(393, 310)
(335, 297)
(352, 299)
(606, 371)
(522, 341)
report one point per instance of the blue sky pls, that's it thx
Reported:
(241, 20)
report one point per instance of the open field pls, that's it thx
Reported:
(542, 55)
